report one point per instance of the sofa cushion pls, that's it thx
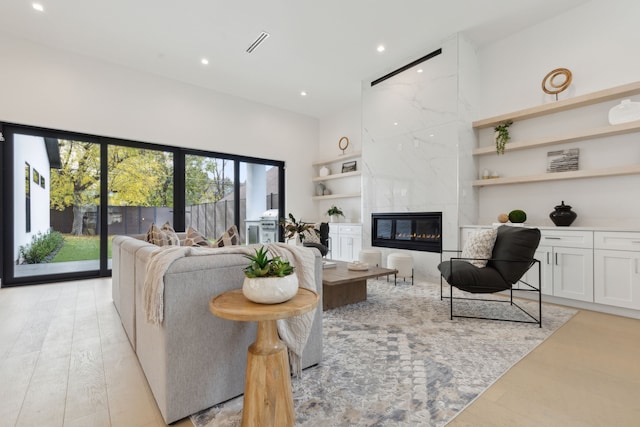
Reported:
(229, 238)
(173, 238)
(195, 238)
(479, 245)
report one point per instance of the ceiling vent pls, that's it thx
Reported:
(262, 37)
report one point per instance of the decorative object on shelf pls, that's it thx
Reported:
(563, 160)
(343, 143)
(334, 213)
(626, 111)
(503, 217)
(502, 135)
(517, 216)
(349, 167)
(562, 215)
(485, 174)
(326, 192)
(320, 189)
(552, 86)
(268, 280)
(324, 171)
(294, 228)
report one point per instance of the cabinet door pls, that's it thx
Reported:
(544, 255)
(334, 245)
(573, 273)
(347, 248)
(616, 278)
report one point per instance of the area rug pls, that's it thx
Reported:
(397, 360)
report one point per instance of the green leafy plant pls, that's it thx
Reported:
(335, 211)
(502, 135)
(263, 266)
(42, 245)
(292, 227)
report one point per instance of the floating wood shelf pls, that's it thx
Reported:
(612, 130)
(337, 175)
(559, 176)
(347, 156)
(336, 196)
(566, 104)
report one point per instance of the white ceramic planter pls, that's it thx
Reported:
(270, 290)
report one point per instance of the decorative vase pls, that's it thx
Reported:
(563, 216)
(325, 171)
(270, 290)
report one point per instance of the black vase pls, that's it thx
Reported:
(563, 216)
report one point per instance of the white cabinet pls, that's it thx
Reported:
(567, 263)
(345, 241)
(616, 269)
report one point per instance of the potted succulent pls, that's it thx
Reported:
(268, 280)
(334, 212)
(502, 135)
(296, 229)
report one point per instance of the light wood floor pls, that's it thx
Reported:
(65, 361)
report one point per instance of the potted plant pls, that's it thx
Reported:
(268, 280)
(295, 229)
(334, 212)
(502, 135)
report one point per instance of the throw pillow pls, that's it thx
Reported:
(311, 236)
(172, 237)
(195, 238)
(229, 238)
(480, 245)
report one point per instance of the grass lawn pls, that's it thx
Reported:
(80, 248)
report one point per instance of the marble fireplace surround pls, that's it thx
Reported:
(417, 144)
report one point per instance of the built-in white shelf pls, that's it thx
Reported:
(337, 175)
(558, 176)
(336, 196)
(339, 158)
(581, 135)
(563, 105)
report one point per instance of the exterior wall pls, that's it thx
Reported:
(30, 149)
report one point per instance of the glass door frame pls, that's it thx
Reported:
(7, 130)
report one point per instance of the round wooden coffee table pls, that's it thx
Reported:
(268, 400)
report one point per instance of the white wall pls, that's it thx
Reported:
(60, 90)
(347, 122)
(598, 42)
(30, 149)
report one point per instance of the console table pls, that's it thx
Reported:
(268, 400)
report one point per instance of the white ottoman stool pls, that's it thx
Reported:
(403, 263)
(372, 257)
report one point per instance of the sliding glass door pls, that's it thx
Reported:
(65, 195)
(55, 199)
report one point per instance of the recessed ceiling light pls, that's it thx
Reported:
(303, 93)
(380, 48)
(204, 61)
(38, 7)
(419, 70)
(395, 123)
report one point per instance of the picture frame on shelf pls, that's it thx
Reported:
(349, 167)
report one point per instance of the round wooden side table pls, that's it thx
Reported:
(268, 400)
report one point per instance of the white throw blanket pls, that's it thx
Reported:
(293, 331)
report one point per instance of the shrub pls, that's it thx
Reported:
(41, 246)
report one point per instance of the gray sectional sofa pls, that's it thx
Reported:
(193, 359)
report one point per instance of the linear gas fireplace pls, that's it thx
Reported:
(418, 231)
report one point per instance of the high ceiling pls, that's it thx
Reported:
(323, 47)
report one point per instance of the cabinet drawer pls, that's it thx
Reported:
(354, 230)
(567, 238)
(617, 240)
